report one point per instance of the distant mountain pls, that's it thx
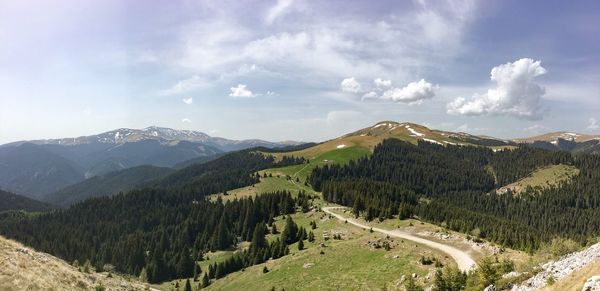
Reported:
(162, 135)
(106, 185)
(40, 167)
(11, 201)
(32, 170)
(565, 141)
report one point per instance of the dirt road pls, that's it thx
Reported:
(463, 260)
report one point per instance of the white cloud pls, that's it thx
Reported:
(278, 10)
(515, 94)
(188, 100)
(240, 91)
(350, 85)
(313, 48)
(593, 124)
(382, 84)
(370, 95)
(186, 85)
(535, 128)
(413, 92)
(186, 120)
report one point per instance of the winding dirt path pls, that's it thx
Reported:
(464, 261)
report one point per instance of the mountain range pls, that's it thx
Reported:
(66, 170)
(40, 167)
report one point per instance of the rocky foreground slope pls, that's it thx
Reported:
(561, 268)
(22, 268)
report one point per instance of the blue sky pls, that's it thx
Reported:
(298, 69)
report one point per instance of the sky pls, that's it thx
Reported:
(302, 70)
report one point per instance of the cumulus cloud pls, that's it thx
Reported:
(186, 120)
(413, 92)
(593, 124)
(370, 95)
(188, 100)
(240, 91)
(515, 94)
(382, 84)
(350, 85)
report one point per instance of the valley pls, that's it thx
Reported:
(392, 204)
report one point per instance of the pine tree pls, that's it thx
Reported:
(205, 281)
(274, 229)
(185, 265)
(290, 232)
(404, 212)
(187, 287)
(197, 271)
(311, 237)
(259, 242)
(488, 274)
(300, 245)
(220, 239)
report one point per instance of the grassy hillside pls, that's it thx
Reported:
(22, 268)
(542, 178)
(350, 263)
(11, 201)
(266, 185)
(351, 147)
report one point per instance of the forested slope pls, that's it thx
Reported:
(11, 201)
(159, 232)
(106, 185)
(454, 186)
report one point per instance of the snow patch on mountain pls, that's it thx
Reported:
(432, 141)
(413, 132)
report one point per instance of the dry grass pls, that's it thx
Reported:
(543, 178)
(23, 268)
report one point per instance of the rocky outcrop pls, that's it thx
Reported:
(561, 268)
(592, 284)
